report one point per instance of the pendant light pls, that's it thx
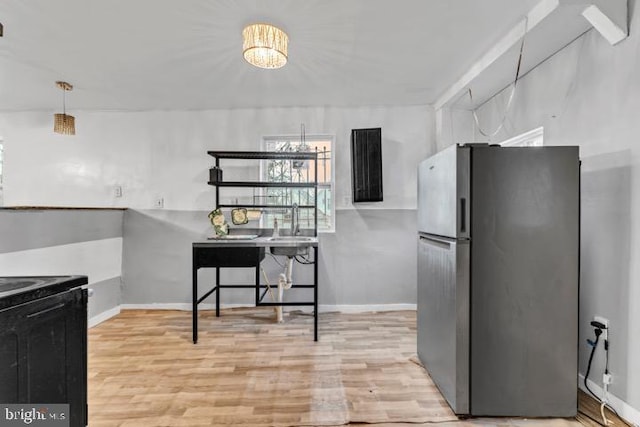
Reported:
(64, 123)
(265, 46)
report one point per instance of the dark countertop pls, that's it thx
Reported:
(15, 290)
(49, 208)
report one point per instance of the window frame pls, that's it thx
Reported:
(332, 179)
(532, 138)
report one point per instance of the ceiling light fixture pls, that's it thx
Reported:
(64, 123)
(265, 46)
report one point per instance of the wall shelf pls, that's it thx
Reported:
(265, 155)
(263, 184)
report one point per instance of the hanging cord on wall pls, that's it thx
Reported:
(511, 96)
(594, 345)
(605, 383)
(574, 78)
(604, 402)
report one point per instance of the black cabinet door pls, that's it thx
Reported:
(366, 165)
(228, 257)
(43, 353)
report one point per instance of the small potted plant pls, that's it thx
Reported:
(219, 222)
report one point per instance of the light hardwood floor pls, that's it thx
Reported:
(247, 370)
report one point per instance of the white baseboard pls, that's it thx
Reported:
(364, 308)
(322, 308)
(179, 306)
(626, 411)
(105, 315)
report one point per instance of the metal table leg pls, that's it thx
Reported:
(217, 291)
(194, 310)
(315, 293)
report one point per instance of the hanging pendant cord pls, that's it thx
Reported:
(511, 96)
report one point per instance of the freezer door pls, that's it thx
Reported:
(443, 193)
(525, 273)
(443, 316)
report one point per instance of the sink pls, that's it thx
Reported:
(289, 251)
(296, 245)
(292, 239)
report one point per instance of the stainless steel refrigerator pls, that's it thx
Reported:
(498, 275)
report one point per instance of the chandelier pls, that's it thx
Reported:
(265, 46)
(64, 123)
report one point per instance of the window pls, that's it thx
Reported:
(533, 138)
(300, 171)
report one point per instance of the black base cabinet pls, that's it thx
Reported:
(43, 353)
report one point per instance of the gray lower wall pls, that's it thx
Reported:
(370, 259)
(25, 229)
(106, 296)
(156, 254)
(606, 262)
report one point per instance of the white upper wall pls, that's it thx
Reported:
(163, 154)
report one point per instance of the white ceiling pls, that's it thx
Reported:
(187, 54)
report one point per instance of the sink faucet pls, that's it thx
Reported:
(295, 220)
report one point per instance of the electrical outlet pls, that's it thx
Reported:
(602, 320)
(117, 191)
(606, 379)
(159, 203)
(605, 322)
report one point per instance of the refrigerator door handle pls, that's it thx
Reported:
(463, 215)
(443, 242)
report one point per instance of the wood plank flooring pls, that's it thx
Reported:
(247, 370)
(590, 413)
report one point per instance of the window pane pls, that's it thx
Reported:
(299, 171)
